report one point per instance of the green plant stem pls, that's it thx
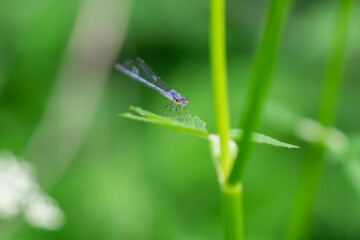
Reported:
(313, 163)
(231, 198)
(232, 212)
(218, 70)
(260, 82)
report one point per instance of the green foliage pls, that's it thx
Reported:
(191, 125)
(259, 138)
(231, 197)
(137, 181)
(195, 126)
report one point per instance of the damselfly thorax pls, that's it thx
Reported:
(178, 103)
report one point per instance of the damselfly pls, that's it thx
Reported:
(140, 71)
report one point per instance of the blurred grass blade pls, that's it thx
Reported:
(260, 82)
(351, 163)
(237, 134)
(191, 125)
(299, 226)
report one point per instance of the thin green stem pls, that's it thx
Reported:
(313, 163)
(260, 82)
(218, 69)
(231, 197)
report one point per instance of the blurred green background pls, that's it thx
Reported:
(114, 178)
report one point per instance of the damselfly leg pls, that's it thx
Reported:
(182, 110)
(172, 108)
(187, 110)
(167, 107)
(177, 106)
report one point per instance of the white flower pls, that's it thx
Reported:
(20, 193)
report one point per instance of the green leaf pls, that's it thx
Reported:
(236, 134)
(195, 126)
(191, 125)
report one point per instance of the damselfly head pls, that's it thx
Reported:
(184, 101)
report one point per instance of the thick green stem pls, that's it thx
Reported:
(232, 212)
(313, 164)
(260, 82)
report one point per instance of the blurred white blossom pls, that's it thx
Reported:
(21, 194)
(312, 131)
